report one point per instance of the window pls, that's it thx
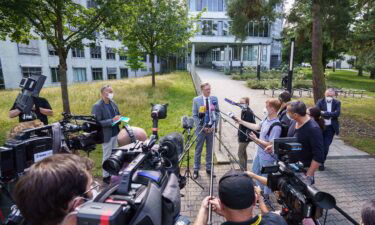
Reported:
(264, 53)
(28, 71)
(112, 73)
(207, 27)
(97, 73)
(123, 57)
(110, 53)
(51, 50)
(220, 5)
(144, 69)
(199, 5)
(29, 49)
(78, 52)
(124, 72)
(2, 84)
(91, 4)
(55, 75)
(79, 74)
(144, 57)
(96, 52)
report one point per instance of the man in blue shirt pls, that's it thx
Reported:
(270, 128)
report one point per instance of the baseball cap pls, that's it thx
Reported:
(236, 190)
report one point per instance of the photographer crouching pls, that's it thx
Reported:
(50, 192)
(236, 202)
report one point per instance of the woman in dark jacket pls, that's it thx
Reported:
(315, 113)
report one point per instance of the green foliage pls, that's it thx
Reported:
(159, 27)
(134, 58)
(241, 12)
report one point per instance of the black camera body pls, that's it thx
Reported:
(31, 87)
(33, 145)
(298, 198)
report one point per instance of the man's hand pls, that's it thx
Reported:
(215, 202)
(250, 174)
(269, 149)
(205, 202)
(258, 193)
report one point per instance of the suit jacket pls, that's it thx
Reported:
(103, 115)
(198, 102)
(333, 115)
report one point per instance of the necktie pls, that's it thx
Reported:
(207, 106)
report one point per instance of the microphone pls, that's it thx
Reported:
(234, 103)
(202, 112)
(187, 122)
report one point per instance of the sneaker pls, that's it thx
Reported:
(195, 174)
(321, 168)
(209, 173)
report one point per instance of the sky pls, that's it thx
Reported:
(288, 5)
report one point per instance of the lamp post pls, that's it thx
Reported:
(290, 72)
(259, 60)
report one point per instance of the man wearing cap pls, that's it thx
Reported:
(236, 202)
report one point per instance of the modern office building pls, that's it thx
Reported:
(215, 46)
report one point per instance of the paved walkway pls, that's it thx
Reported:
(349, 175)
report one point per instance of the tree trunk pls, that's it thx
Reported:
(152, 56)
(334, 66)
(64, 82)
(360, 71)
(319, 85)
(372, 74)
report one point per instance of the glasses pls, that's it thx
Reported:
(95, 186)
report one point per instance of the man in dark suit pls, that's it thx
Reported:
(206, 115)
(107, 112)
(330, 108)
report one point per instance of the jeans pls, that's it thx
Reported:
(242, 155)
(258, 163)
(107, 151)
(202, 137)
(328, 135)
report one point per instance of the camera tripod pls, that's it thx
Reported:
(189, 143)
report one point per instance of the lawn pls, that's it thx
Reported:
(133, 97)
(357, 114)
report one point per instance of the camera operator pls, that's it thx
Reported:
(368, 213)
(309, 134)
(284, 98)
(107, 112)
(41, 110)
(53, 188)
(207, 106)
(243, 141)
(237, 198)
(270, 128)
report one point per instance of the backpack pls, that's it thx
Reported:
(284, 129)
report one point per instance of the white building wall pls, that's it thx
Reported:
(12, 62)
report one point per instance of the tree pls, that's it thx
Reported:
(320, 28)
(362, 40)
(159, 27)
(134, 59)
(63, 24)
(241, 12)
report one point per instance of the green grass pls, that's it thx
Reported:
(347, 79)
(357, 114)
(133, 97)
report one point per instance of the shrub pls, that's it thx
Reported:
(302, 84)
(255, 84)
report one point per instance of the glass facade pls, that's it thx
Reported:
(209, 5)
(79, 74)
(2, 83)
(222, 28)
(250, 53)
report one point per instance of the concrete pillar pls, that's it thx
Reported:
(192, 56)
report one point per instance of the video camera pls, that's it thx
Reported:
(299, 200)
(145, 187)
(31, 87)
(32, 145)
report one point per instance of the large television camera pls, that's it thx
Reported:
(144, 187)
(31, 87)
(32, 145)
(299, 200)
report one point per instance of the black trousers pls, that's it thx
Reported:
(328, 135)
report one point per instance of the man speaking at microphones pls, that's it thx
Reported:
(206, 116)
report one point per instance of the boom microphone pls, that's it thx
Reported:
(187, 122)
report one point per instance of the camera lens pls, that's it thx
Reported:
(114, 163)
